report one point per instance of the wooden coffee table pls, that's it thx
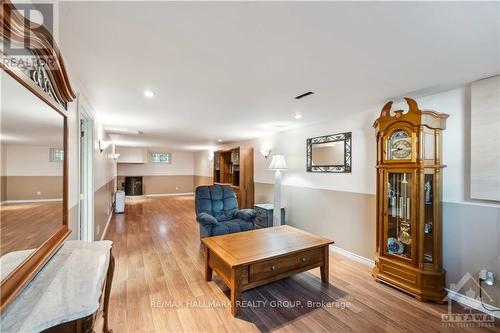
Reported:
(250, 259)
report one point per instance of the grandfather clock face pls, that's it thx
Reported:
(399, 146)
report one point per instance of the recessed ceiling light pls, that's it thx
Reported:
(298, 116)
(219, 140)
(149, 93)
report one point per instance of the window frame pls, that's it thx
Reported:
(159, 154)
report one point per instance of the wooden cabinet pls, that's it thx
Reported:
(409, 187)
(234, 167)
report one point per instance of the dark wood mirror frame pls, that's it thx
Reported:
(342, 168)
(42, 45)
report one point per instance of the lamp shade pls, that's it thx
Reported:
(278, 163)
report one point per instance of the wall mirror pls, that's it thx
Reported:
(33, 182)
(35, 92)
(329, 153)
(32, 171)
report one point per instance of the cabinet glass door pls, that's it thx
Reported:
(399, 233)
(428, 217)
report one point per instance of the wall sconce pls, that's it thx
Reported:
(265, 152)
(114, 156)
(103, 145)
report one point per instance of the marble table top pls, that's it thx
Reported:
(67, 288)
(10, 261)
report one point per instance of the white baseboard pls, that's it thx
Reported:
(168, 194)
(353, 256)
(453, 295)
(107, 225)
(472, 303)
(30, 201)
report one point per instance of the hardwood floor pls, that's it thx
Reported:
(27, 225)
(159, 286)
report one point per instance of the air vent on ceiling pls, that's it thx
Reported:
(304, 95)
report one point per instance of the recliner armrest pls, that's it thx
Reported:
(246, 214)
(205, 218)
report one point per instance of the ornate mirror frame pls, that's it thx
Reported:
(343, 168)
(48, 80)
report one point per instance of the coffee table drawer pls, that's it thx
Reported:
(272, 267)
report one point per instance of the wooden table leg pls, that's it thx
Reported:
(326, 265)
(208, 269)
(235, 292)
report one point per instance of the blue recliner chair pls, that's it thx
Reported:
(217, 211)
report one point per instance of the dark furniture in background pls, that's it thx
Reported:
(264, 217)
(133, 186)
(217, 211)
(234, 167)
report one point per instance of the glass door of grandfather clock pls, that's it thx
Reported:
(429, 218)
(400, 226)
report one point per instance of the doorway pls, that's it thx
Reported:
(86, 204)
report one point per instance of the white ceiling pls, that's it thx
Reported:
(230, 70)
(26, 119)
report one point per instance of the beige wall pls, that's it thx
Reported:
(103, 202)
(3, 188)
(28, 174)
(104, 174)
(182, 164)
(161, 178)
(34, 187)
(202, 180)
(3, 173)
(345, 217)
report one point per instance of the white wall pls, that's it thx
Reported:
(455, 103)
(30, 160)
(292, 143)
(202, 165)
(182, 164)
(104, 166)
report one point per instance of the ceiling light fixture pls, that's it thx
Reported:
(219, 140)
(149, 93)
(121, 130)
(298, 116)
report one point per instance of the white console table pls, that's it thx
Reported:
(70, 292)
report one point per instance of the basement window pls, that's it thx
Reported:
(56, 155)
(160, 157)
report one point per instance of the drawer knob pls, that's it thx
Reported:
(303, 259)
(273, 268)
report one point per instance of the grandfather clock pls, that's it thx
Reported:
(409, 187)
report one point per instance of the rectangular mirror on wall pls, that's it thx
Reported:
(329, 153)
(32, 173)
(33, 180)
